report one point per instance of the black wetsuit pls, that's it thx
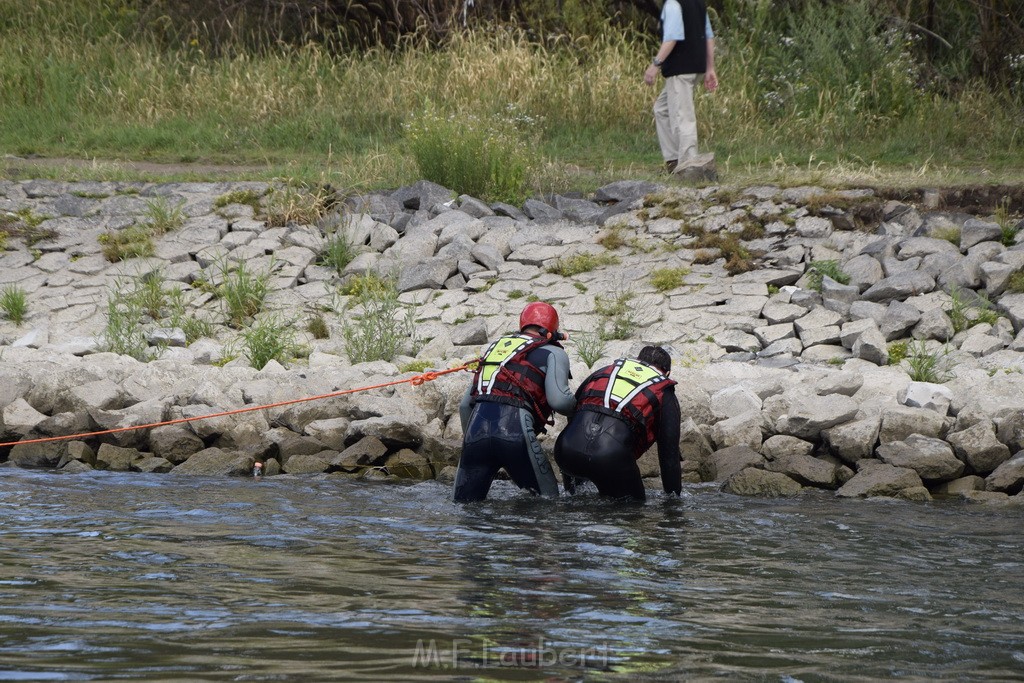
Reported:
(499, 435)
(601, 447)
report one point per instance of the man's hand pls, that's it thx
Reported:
(651, 74)
(711, 80)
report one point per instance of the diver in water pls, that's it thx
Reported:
(521, 379)
(621, 410)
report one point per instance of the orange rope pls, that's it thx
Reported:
(415, 381)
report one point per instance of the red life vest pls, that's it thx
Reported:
(630, 389)
(505, 375)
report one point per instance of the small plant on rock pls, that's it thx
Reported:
(293, 203)
(949, 233)
(897, 352)
(581, 263)
(376, 324)
(927, 366)
(124, 333)
(337, 252)
(135, 241)
(667, 279)
(1015, 285)
(619, 316)
(163, 217)
(817, 271)
(1007, 229)
(14, 304)
(317, 326)
(243, 292)
(268, 339)
(590, 346)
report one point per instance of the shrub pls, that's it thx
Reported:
(590, 346)
(382, 326)
(132, 242)
(666, 279)
(337, 252)
(163, 217)
(819, 269)
(293, 203)
(14, 304)
(268, 339)
(242, 291)
(488, 157)
(581, 263)
(317, 326)
(927, 366)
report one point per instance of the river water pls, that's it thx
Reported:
(139, 577)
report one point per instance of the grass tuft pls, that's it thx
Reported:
(14, 304)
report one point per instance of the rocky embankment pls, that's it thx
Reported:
(795, 318)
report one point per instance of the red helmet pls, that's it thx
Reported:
(542, 315)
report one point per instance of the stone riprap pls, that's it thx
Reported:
(784, 373)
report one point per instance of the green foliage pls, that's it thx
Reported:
(242, 291)
(619, 317)
(949, 233)
(489, 157)
(163, 217)
(819, 269)
(897, 352)
(135, 241)
(927, 366)
(581, 263)
(590, 346)
(193, 326)
(666, 279)
(268, 338)
(317, 326)
(294, 203)
(124, 333)
(377, 326)
(244, 197)
(337, 252)
(1008, 231)
(516, 294)
(613, 239)
(14, 303)
(967, 310)
(1015, 285)
(416, 366)
(3, 240)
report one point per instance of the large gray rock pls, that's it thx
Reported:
(19, 418)
(879, 480)
(1013, 306)
(310, 463)
(899, 422)
(1010, 430)
(958, 486)
(724, 463)
(976, 231)
(900, 286)
(1008, 477)
(979, 448)
(853, 441)
(870, 345)
(733, 401)
(115, 458)
(174, 443)
(38, 455)
(754, 482)
(864, 271)
(804, 469)
(926, 395)
(934, 324)
(932, 459)
(741, 430)
(899, 318)
(214, 462)
(809, 416)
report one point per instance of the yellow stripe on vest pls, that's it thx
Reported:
(500, 353)
(628, 379)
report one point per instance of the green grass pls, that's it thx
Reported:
(817, 271)
(581, 263)
(667, 279)
(839, 104)
(14, 304)
(242, 291)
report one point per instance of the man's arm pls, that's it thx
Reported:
(710, 76)
(663, 52)
(556, 381)
(668, 443)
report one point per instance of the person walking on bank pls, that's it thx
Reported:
(622, 409)
(520, 380)
(687, 52)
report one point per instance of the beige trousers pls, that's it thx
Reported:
(675, 119)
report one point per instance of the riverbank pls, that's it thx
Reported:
(795, 316)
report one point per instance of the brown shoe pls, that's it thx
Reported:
(670, 165)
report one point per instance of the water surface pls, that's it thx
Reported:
(142, 577)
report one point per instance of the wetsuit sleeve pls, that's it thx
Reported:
(466, 407)
(556, 381)
(668, 443)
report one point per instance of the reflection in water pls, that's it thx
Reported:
(154, 577)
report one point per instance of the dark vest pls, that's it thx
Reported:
(506, 375)
(688, 56)
(631, 390)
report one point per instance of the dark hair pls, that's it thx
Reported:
(656, 356)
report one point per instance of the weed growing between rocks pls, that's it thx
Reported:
(124, 333)
(193, 326)
(376, 325)
(24, 224)
(489, 157)
(667, 279)
(817, 271)
(897, 352)
(1015, 285)
(269, 338)
(163, 218)
(590, 347)
(924, 365)
(135, 241)
(613, 239)
(618, 315)
(949, 233)
(317, 326)
(965, 312)
(249, 198)
(14, 304)
(242, 291)
(293, 203)
(1008, 230)
(581, 263)
(337, 252)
